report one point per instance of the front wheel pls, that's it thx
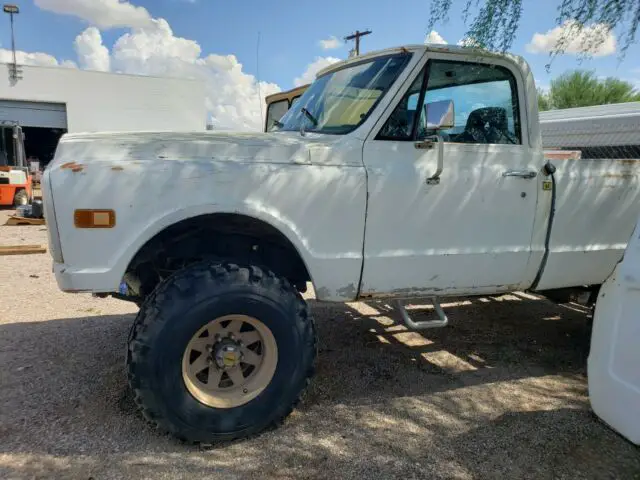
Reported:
(220, 352)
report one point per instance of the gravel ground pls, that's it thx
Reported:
(502, 392)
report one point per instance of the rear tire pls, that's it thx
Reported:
(190, 330)
(21, 198)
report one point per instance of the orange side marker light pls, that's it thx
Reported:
(94, 218)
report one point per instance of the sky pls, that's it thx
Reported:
(244, 50)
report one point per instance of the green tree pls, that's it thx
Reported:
(580, 88)
(544, 102)
(493, 23)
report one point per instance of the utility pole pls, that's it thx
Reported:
(14, 71)
(356, 36)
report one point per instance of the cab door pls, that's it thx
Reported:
(471, 232)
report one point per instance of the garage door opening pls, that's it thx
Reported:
(43, 123)
(40, 143)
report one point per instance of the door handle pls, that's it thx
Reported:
(520, 173)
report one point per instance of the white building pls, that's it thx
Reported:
(50, 101)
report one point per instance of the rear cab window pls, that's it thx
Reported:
(276, 111)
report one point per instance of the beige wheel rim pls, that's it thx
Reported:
(229, 361)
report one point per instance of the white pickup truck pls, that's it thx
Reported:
(410, 172)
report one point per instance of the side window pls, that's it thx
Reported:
(485, 102)
(294, 100)
(275, 112)
(399, 125)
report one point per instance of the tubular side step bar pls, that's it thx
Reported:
(442, 320)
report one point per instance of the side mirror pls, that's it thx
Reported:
(439, 115)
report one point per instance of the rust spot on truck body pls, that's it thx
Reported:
(117, 168)
(423, 292)
(349, 291)
(622, 175)
(323, 292)
(73, 166)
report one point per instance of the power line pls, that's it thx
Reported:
(356, 36)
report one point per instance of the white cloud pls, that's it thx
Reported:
(68, 64)
(233, 97)
(92, 54)
(575, 40)
(434, 37)
(155, 44)
(26, 58)
(102, 13)
(330, 43)
(313, 68)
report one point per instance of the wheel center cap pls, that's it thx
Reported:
(227, 354)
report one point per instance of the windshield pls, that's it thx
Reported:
(339, 101)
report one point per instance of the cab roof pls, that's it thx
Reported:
(420, 49)
(431, 47)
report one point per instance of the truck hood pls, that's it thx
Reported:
(278, 147)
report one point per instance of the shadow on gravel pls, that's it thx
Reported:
(489, 339)
(501, 392)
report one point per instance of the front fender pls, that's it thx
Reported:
(324, 269)
(320, 209)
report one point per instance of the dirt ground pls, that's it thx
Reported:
(500, 393)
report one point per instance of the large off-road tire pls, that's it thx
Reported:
(21, 198)
(220, 351)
